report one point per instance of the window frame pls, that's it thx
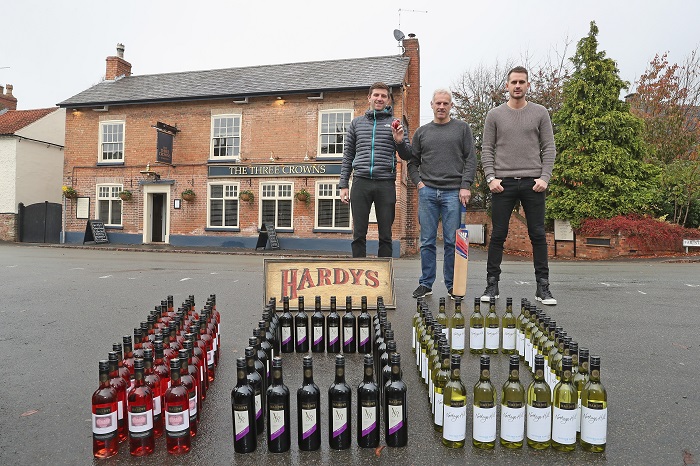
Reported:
(327, 111)
(115, 189)
(317, 197)
(100, 150)
(235, 157)
(277, 198)
(236, 198)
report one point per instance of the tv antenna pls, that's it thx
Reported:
(410, 11)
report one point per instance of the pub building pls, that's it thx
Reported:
(209, 158)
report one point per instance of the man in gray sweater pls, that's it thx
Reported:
(442, 167)
(518, 156)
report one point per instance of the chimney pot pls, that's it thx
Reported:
(411, 35)
(120, 50)
(9, 89)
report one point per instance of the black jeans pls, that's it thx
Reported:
(501, 209)
(382, 193)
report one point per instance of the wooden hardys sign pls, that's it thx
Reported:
(294, 277)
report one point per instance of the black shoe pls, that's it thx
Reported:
(543, 294)
(453, 296)
(491, 289)
(421, 291)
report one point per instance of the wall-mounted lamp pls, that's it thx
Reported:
(307, 157)
(150, 174)
(279, 100)
(272, 157)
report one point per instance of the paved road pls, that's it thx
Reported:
(62, 308)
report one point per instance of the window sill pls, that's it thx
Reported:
(110, 164)
(281, 230)
(228, 160)
(329, 158)
(114, 227)
(228, 229)
(332, 230)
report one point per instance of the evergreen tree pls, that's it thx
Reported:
(600, 170)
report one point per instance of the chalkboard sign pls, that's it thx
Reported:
(95, 232)
(268, 232)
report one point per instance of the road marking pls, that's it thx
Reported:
(10, 266)
(106, 276)
(518, 282)
(214, 273)
(692, 286)
(185, 279)
(641, 292)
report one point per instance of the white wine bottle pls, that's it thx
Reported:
(441, 379)
(457, 328)
(443, 319)
(580, 380)
(521, 322)
(491, 329)
(539, 409)
(484, 408)
(476, 329)
(513, 407)
(564, 410)
(454, 430)
(594, 411)
(508, 330)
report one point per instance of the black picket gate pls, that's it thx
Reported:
(40, 223)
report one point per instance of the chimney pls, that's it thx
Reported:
(7, 100)
(117, 67)
(412, 106)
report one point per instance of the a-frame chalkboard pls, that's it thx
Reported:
(95, 232)
(268, 232)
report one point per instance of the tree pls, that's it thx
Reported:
(600, 170)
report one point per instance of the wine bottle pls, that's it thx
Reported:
(539, 409)
(333, 328)
(442, 318)
(255, 380)
(349, 324)
(190, 383)
(476, 329)
(415, 320)
(278, 424)
(508, 330)
(581, 378)
(265, 344)
(439, 384)
(425, 340)
(491, 329)
(395, 406)
(528, 337)
(243, 411)
(420, 329)
(484, 408)
(140, 403)
(364, 326)
(368, 407)
(318, 328)
(105, 407)
(457, 332)
(564, 410)
(384, 376)
(137, 344)
(555, 355)
(383, 359)
(454, 430)
(269, 334)
(129, 358)
(547, 347)
(520, 324)
(339, 402)
(301, 328)
(435, 366)
(206, 337)
(309, 410)
(594, 411)
(118, 382)
(286, 324)
(177, 416)
(199, 359)
(194, 371)
(513, 407)
(433, 353)
(151, 378)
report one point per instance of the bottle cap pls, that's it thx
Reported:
(369, 360)
(240, 363)
(138, 364)
(395, 358)
(339, 360)
(104, 365)
(308, 361)
(277, 362)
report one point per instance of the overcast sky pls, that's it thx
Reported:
(51, 50)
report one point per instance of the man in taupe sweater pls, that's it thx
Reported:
(518, 156)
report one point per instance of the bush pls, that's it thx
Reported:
(646, 233)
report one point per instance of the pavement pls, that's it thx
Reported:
(63, 307)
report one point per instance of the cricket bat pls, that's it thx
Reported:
(459, 284)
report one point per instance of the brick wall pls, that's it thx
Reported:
(8, 227)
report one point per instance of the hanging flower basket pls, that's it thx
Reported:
(188, 195)
(69, 192)
(247, 196)
(303, 196)
(125, 195)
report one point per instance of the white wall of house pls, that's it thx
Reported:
(8, 171)
(51, 128)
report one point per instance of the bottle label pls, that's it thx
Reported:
(332, 335)
(521, 343)
(369, 420)
(340, 421)
(177, 421)
(509, 335)
(308, 422)
(241, 426)
(276, 423)
(484, 424)
(437, 404)
(157, 410)
(210, 358)
(193, 402)
(446, 332)
(286, 334)
(457, 338)
(395, 413)
(578, 414)
(364, 336)
(348, 335)
(301, 334)
(564, 425)
(476, 338)
(258, 406)
(492, 337)
(120, 410)
(104, 420)
(140, 419)
(594, 425)
(512, 423)
(454, 423)
(413, 338)
(539, 424)
(318, 335)
(528, 351)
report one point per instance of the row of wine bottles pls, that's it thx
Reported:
(157, 387)
(589, 398)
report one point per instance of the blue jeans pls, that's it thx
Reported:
(502, 205)
(434, 204)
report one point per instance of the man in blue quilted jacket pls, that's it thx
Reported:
(371, 144)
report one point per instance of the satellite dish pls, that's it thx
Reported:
(398, 35)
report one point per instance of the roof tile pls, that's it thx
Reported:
(14, 120)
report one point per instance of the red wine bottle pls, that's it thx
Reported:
(318, 328)
(189, 382)
(349, 327)
(256, 381)
(243, 411)
(333, 328)
(153, 381)
(364, 329)
(278, 411)
(301, 328)
(177, 416)
(339, 403)
(105, 436)
(395, 406)
(368, 407)
(140, 403)
(120, 385)
(309, 410)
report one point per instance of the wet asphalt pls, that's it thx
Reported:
(63, 307)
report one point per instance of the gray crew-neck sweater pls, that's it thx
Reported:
(518, 142)
(443, 155)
